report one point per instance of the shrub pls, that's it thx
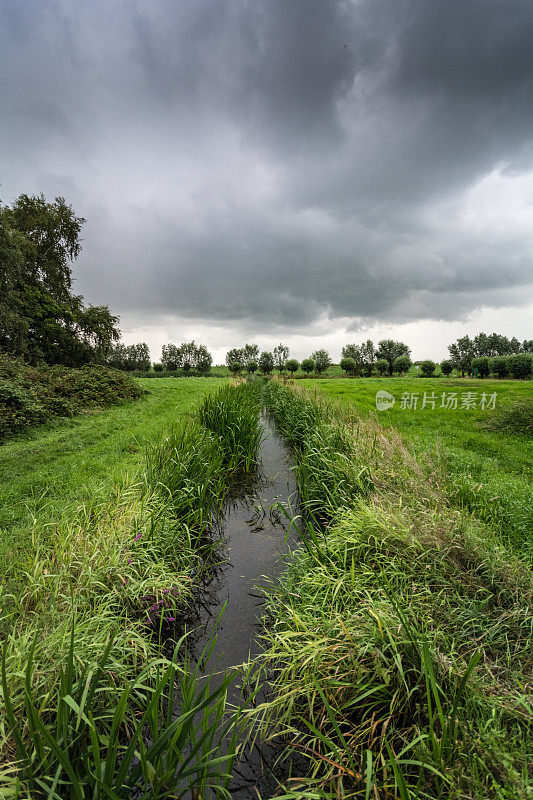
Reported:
(401, 364)
(308, 365)
(19, 408)
(446, 367)
(235, 367)
(292, 365)
(348, 365)
(95, 386)
(428, 368)
(31, 395)
(252, 367)
(500, 366)
(520, 365)
(382, 366)
(158, 367)
(480, 366)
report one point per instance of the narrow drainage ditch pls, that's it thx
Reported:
(255, 538)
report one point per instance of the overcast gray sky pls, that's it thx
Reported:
(307, 171)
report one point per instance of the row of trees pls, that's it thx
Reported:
(41, 319)
(464, 350)
(187, 357)
(249, 359)
(389, 356)
(130, 357)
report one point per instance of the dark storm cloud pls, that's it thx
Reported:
(279, 160)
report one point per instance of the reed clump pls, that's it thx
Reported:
(402, 632)
(232, 416)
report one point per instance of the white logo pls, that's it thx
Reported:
(384, 400)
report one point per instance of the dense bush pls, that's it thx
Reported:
(292, 365)
(401, 364)
(520, 365)
(348, 365)
(446, 367)
(308, 365)
(481, 366)
(382, 366)
(428, 368)
(32, 395)
(235, 367)
(500, 366)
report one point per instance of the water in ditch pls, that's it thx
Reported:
(256, 537)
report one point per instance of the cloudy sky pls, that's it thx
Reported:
(315, 172)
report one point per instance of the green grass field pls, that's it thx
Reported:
(51, 470)
(401, 634)
(488, 472)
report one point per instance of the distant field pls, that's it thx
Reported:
(52, 470)
(488, 472)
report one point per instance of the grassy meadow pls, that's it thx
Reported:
(397, 644)
(91, 580)
(50, 471)
(487, 471)
(400, 638)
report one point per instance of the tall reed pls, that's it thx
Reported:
(179, 739)
(232, 415)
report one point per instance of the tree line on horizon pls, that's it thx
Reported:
(42, 320)
(480, 356)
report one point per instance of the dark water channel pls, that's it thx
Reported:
(256, 536)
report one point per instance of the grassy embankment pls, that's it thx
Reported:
(91, 582)
(488, 472)
(49, 471)
(401, 636)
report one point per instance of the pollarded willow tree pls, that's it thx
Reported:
(281, 354)
(322, 360)
(188, 357)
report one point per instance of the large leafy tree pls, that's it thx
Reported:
(353, 352)
(235, 356)
(368, 356)
(250, 354)
(322, 360)
(40, 318)
(389, 351)
(281, 354)
(266, 362)
(461, 354)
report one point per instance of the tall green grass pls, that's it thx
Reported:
(232, 415)
(482, 456)
(401, 635)
(167, 736)
(80, 616)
